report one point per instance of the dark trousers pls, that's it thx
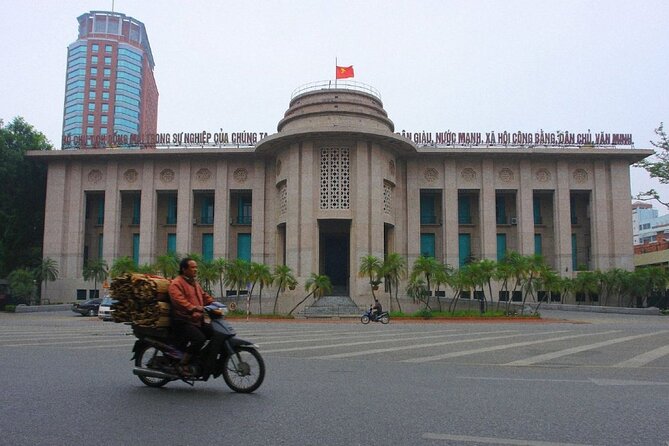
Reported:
(194, 337)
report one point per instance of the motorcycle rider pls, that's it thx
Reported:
(376, 309)
(188, 301)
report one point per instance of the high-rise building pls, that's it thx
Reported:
(111, 98)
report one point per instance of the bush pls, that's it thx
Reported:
(424, 313)
(10, 308)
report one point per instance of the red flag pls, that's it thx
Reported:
(344, 72)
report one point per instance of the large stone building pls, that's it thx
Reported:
(336, 183)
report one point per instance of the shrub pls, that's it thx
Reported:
(10, 308)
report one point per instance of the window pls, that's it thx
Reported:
(90, 119)
(574, 257)
(104, 119)
(92, 83)
(100, 244)
(94, 71)
(208, 247)
(428, 215)
(108, 48)
(171, 210)
(427, 245)
(171, 242)
(103, 130)
(207, 211)
(244, 215)
(500, 210)
(501, 247)
(464, 210)
(105, 95)
(101, 212)
(89, 130)
(136, 209)
(537, 210)
(105, 84)
(94, 60)
(464, 248)
(135, 248)
(107, 60)
(244, 247)
(538, 244)
(95, 48)
(105, 108)
(91, 95)
(106, 72)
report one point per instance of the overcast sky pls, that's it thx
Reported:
(476, 66)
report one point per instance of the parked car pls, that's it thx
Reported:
(88, 308)
(105, 310)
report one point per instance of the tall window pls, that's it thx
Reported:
(464, 248)
(501, 247)
(208, 247)
(244, 247)
(427, 245)
(428, 215)
(500, 210)
(136, 209)
(171, 243)
(537, 210)
(574, 252)
(135, 248)
(244, 214)
(171, 209)
(538, 244)
(207, 211)
(464, 210)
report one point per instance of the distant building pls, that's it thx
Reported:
(646, 223)
(110, 91)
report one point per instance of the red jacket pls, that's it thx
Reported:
(185, 298)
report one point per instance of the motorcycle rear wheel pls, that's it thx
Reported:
(244, 371)
(364, 319)
(144, 359)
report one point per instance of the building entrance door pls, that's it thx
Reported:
(334, 253)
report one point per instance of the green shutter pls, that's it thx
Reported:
(464, 210)
(171, 243)
(574, 251)
(135, 248)
(464, 248)
(208, 247)
(244, 247)
(427, 245)
(501, 247)
(538, 248)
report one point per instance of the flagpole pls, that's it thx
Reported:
(335, 72)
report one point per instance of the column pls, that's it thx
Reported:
(184, 209)
(562, 220)
(601, 225)
(525, 209)
(112, 224)
(487, 211)
(148, 217)
(450, 211)
(258, 250)
(621, 216)
(221, 210)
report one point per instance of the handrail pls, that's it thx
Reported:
(336, 84)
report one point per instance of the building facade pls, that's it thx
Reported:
(333, 184)
(110, 90)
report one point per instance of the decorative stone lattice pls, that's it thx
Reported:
(580, 176)
(240, 175)
(543, 175)
(387, 198)
(94, 176)
(278, 167)
(167, 175)
(130, 175)
(431, 174)
(283, 198)
(468, 174)
(335, 178)
(506, 175)
(391, 167)
(203, 174)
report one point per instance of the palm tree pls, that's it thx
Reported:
(96, 270)
(442, 276)
(425, 266)
(460, 281)
(237, 275)
(586, 283)
(394, 269)
(417, 290)
(146, 268)
(168, 265)
(221, 266)
(46, 271)
(260, 274)
(282, 278)
(22, 283)
(207, 274)
(503, 273)
(122, 265)
(370, 266)
(316, 285)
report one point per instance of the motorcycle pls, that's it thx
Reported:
(382, 317)
(157, 354)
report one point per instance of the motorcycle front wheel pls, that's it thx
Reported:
(385, 319)
(364, 319)
(148, 358)
(244, 370)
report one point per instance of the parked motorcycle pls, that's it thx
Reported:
(157, 354)
(382, 317)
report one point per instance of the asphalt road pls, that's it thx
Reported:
(579, 379)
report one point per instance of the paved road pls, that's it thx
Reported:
(579, 379)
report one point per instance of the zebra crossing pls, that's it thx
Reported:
(633, 346)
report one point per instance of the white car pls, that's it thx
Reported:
(105, 309)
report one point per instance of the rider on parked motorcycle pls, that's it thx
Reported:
(188, 301)
(376, 309)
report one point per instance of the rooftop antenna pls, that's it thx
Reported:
(112, 5)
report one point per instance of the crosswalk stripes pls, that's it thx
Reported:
(645, 358)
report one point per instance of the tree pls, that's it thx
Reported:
(394, 269)
(221, 266)
(96, 270)
(370, 266)
(207, 273)
(316, 285)
(659, 168)
(282, 278)
(237, 275)
(168, 265)
(122, 265)
(22, 283)
(261, 275)
(22, 196)
(46, 271)
(427, 267)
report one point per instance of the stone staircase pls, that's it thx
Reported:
(331, 306)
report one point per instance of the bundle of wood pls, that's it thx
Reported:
(142, 300)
